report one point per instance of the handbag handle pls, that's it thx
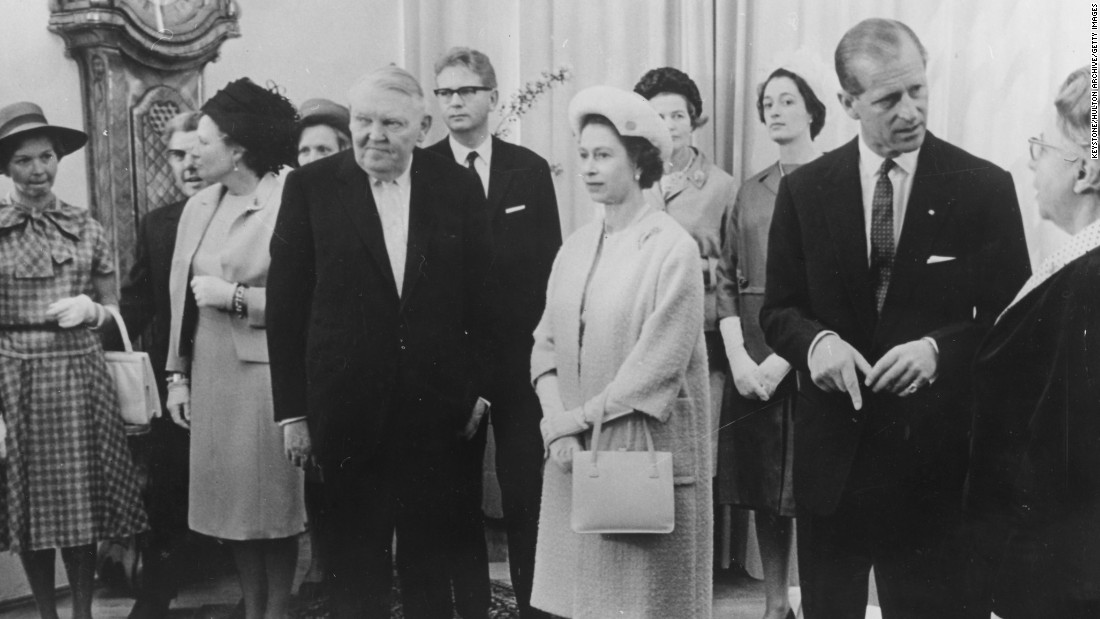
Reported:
(598, 426)
(121, 327)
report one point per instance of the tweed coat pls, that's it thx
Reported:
(643, 349)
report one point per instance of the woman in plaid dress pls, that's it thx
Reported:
(66, 478)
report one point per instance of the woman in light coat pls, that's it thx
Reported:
(242, 490)
(622, 339)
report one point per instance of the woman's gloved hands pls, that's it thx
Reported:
(75, 311)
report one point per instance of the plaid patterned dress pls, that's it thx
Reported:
(68, 479)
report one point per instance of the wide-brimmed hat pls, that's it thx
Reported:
(628, 111)
(323, 112)
(19, 120)
(261, 120)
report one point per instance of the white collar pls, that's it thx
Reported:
(870, 161)
(402, 180)
(484, 150)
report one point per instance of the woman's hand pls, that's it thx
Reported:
(296, 443)
(73, 311)
(771, 371)
(746, 375)
(213, 292)
(179, 403)
(561, 452)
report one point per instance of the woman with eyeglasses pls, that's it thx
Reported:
(1034, 480)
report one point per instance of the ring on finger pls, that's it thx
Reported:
(912, 388)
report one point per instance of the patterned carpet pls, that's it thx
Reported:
(502, 605)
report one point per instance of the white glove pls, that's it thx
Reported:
(213, 292)
(74, 311)
(178, 403)
(745, 375)
(771, 372)
(561, 451)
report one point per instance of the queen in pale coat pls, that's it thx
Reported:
(622, 338)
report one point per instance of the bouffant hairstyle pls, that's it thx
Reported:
(258, 120)
(1074, 106)
(813, 105)
(643, 154)
(673, 81)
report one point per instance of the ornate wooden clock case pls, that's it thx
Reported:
(141, 64)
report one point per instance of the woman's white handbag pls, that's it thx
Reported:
(622, 491)
(138, 400)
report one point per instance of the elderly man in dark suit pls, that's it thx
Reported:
(889, 258)
(377, 327)
(526, 237)
(144, 305)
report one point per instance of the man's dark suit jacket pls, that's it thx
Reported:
(371, 370)
(962, 211)
(1035, 462)
(144, 301)
(525, 240)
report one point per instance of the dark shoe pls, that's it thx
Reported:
(309, 591)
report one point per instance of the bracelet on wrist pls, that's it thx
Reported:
(240, 307)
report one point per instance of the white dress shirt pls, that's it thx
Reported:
(392, 200)
(483, 161)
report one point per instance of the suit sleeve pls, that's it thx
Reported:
(788, 324)
(290, 284)
(549, 237)
(999, 270)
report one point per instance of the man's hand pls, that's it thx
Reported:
(73, 311)
(835, 365)
(296, 443)
(211, 291)
(771, 371)
(178, 403)
(480, 408)
(3, 440)
(561, 452)
(904, 369)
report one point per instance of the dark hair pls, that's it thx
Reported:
(261, 121)
(642, 153)
(874, 38)
(7, 150)
(676, 82)
(471, 59)
(813, 105)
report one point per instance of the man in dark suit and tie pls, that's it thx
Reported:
(526, 237)
(377, 321)
(144, 305)
(888, 260)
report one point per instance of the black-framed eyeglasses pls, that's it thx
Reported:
(464, 92)
(1036, 146)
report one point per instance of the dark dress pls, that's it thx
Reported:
(756, 440)
(68, 479)
(1033, 489)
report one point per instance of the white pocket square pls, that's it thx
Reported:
(513, 209)
(938, 259)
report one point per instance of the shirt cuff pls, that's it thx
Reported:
(813, 344)
(285, 422)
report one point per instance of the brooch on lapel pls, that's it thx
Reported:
(647, 234)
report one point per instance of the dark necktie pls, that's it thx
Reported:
(882, 233)
(470, 159)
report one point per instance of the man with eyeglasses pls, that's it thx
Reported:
(888, 261)
(526, 236)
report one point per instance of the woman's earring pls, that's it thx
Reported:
(235, 168)
(637, 175)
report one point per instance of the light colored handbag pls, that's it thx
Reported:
(622, 491)
(138, 400)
